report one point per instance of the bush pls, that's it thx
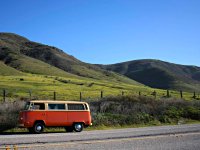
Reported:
(174, 112)
(192, 112)
(120, 110)
(9, 113)
(125, 110)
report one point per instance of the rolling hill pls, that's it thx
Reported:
(159, 74)
(21, 57)
(29, 66)
(31, 57)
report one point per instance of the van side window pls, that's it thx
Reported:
(56, 106)
(75, 106)
(38, 106)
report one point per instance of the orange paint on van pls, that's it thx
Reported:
(57, 118)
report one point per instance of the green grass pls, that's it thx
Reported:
(6, 70)
(69, 88)
(34, 66)
(43, 87)
(103, 127)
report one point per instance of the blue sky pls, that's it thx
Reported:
(110, 31)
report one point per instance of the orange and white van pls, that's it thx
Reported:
(71, 115)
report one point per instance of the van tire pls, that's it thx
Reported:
(38, 127)
(78, 127)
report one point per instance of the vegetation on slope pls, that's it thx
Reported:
(160, 74)
(14, 48)
(67, 88)
(8, 71)
(22, 54)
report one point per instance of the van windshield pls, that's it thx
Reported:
(34, 106)
(27, 106)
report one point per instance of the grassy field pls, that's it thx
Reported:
(6, 70)
(69, 88)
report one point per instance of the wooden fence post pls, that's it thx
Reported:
(80, 96)
(181, 93)
(54, 95)
(101, 94)
(30, 94)
(194, 96)
(154, 94)
(168, 93)
(4, 95)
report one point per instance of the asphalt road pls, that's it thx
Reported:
(180, 137)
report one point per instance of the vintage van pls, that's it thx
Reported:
(71, 115)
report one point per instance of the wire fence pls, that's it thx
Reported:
(14, 94)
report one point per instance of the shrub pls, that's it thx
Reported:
(174, 112)
(9, 113)
(192, 112)
(120, 110)
(125, 110)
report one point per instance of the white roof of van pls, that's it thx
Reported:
(56, 101)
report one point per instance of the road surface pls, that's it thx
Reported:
(180, 137)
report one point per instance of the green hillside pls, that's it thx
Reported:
(8, 71)
(27, 56)
(28, 66)
(160, 74)
(44, 69)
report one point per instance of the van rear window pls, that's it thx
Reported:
(56, 106)
(76, 107)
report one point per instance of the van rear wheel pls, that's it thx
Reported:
(38, 127)
(78, 127)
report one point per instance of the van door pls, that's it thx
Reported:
(76, 113)
(39, 111)
(56, 115)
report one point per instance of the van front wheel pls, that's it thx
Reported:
(38, 127)
(78, 127)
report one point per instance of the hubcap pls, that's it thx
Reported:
(39, 128)
(78, 127)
